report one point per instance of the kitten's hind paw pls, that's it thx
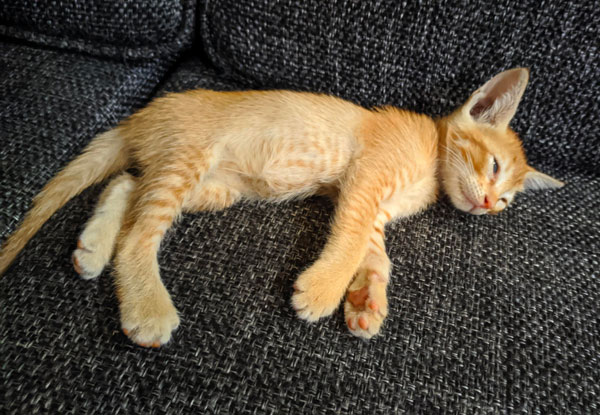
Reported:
(149, 323)
(366, 304)
(88, 263)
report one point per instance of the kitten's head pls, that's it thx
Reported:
(482, 162)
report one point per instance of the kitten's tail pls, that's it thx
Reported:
(104, 155)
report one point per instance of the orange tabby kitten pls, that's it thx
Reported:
(205, 150)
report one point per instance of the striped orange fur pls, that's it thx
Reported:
(205, 150)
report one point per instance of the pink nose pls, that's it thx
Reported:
(487, 204)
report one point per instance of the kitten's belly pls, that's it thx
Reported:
(293, 178)
(284, 169)
(277, 189)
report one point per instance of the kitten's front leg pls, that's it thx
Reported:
(366, 305)
(319, 289)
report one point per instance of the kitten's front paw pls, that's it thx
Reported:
(366, 305)
(149, 321)
(317, 293)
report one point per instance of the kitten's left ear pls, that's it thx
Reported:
(535, 180)
(496, 102)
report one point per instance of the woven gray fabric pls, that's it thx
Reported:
(487, 314)
(51, 104)
(129, 29)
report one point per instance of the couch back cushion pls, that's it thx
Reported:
(118, 28)
(427, 56)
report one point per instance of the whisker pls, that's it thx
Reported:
(456, 161)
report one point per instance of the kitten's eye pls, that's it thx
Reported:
(495, 168)
(503, 199)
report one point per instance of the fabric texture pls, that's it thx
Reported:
(52, 103)
(488, 314)
(148, 29)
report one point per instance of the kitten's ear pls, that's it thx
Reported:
(535, 180)
(496, 102)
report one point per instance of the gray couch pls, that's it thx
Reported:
(492, 314)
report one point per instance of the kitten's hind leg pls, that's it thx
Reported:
(97, 241)
(148, 315)
(366, 305)
(212, 194)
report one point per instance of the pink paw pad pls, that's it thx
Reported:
(363, 323)
(76, 265)
(154, 345)
(373, 306)
(358, 297)
(350, 323)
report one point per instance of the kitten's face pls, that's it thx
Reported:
(482, 162)
(482, 170)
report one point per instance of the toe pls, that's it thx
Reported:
(76, 265)
(363, 323)
(350, 322)
(373, 306)
(375, 277)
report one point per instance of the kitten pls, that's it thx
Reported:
(205, 150)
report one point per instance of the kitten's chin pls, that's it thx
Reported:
(478, 211)
(468, 207)
(462, 203)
